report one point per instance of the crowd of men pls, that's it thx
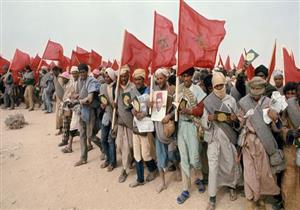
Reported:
(218, 137)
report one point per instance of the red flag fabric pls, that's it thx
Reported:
(34, 64)
(20, 60)
(53, 51)
(135, 53)
(164, 43)
(109, 64)
(291, 72)
(95, 60)
(241, 62)
(74, 60)
(227, 64)
(65, 63)
(250, 72)
(199, 39)
(220, 63)
(3, 62)
(273, 62)
(80, 50)
(115, 65)
(83, 57)
(293, 59)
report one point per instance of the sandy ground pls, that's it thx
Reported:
(35, 174)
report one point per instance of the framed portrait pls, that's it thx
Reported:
(159, 105)
(136, 104)
(103, 100)
(126, 98)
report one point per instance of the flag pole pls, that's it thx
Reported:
(177, 63)
(151, 69)
(117, 89)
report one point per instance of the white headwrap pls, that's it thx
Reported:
(124, 69)
(219, 79)
(74, 69)
(111, 73)
(139, 73)
(277, 73)
(162, 71)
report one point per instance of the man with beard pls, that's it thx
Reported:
(124, 122)
(278, 79)
(107, 138)
(261, 156)
(142, 142)
(221, 138)
(188, 143)
(163, 141)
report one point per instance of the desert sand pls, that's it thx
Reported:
(35, 174)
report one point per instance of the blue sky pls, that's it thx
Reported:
(100, 25)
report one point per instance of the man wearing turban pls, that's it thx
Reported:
(124, 123)
(261, 156)
(142, 142)
(262, 71)
(107, 139)
(221, 139)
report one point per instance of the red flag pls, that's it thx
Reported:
(95, 60)
(53, 51)
(115, 65)
(80, 50)
(65, 63)
(20, 60)
(199, 39)
(241, 62)
(83, 57)
(273, 62)
(74, 60)
(164, 43)
(135, 53)
(3, 62)
(293, 59)
(220, 63)
(250, 72)
(292, 73)
(109, 64)
(34, 64)
(227, 64)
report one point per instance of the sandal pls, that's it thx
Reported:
(200, 185)
(183, 197)
(67, 150)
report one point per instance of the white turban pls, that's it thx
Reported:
(111, 73)
(218, 79)
(124, 69)
(74, 69)
(162, 71)
(277, 73)
(139, 73)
